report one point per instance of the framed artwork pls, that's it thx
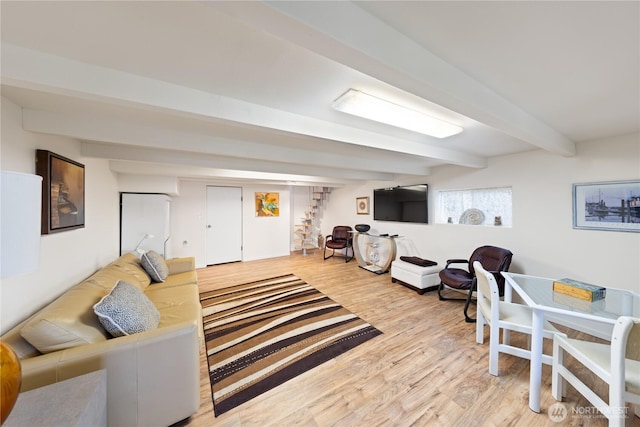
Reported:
(362, 205)
(62, 192)
(267, 204)
(612, 206)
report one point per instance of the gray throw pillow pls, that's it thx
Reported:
(155, 266)
(126, 310)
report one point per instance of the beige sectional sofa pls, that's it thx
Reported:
(153, 377)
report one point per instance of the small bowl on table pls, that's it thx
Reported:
(362, 228)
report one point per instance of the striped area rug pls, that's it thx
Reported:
(261, 334)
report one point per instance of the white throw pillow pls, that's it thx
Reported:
(126, 310)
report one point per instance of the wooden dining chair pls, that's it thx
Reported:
(617, 364)
(505, 316)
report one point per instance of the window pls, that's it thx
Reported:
(483, 206)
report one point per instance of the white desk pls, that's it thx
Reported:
(537, 292)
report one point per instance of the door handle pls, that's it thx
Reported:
(208, 225)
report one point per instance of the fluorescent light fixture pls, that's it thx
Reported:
(373, 108)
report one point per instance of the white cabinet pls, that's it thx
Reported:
(143, 215)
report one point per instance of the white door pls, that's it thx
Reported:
(224, 225)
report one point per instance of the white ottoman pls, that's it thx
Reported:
(415, 277)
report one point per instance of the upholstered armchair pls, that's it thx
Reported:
(492, 258)
(340, 238)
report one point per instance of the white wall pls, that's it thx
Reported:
(262, 237)
(147, 184)
(542, 238)
(66, 257)
(266, 237)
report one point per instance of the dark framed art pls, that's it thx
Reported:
(611, 206)
(62, 192)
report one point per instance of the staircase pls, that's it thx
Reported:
(307, 231)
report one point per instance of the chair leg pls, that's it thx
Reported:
(494, 342)
(557, 381)
(617, 410)
(480, 322)
(506, 337)
(346, 253)
(333, 252)
(466, 305)
(443, 298)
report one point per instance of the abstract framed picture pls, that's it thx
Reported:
(267, 204)
(62, 192)
(611, 206)
(362, 205)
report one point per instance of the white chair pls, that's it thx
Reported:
(506, 316)
(617, 364)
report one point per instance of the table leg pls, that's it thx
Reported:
(508, 292)
(535, 369)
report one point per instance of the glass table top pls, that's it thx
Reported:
(538, 291)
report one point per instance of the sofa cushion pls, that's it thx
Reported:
(67, 322)
(130, 264)
(107, 276)
(181, 265)
(155, 266)
(126, 310)
(418, 261)
(181, 279)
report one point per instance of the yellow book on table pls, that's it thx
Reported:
(578, 289)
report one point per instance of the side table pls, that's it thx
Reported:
(79, 401)
(381, 251)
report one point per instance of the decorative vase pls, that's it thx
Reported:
(374, 255)
(10, 380)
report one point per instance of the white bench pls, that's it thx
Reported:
(414, 276)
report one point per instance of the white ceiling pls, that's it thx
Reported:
(242, 90)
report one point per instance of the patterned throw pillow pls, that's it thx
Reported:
(126, 310)
(155, 266)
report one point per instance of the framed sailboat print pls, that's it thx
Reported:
(612, 206)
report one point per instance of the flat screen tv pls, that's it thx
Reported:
(401, 204)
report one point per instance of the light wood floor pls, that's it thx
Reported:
(426, 369)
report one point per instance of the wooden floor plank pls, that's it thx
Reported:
(425, 370)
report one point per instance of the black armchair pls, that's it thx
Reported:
(492, 258)
(340, 238)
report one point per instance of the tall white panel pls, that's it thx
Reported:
(20, 219)
(145, 215)
(224, 224)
